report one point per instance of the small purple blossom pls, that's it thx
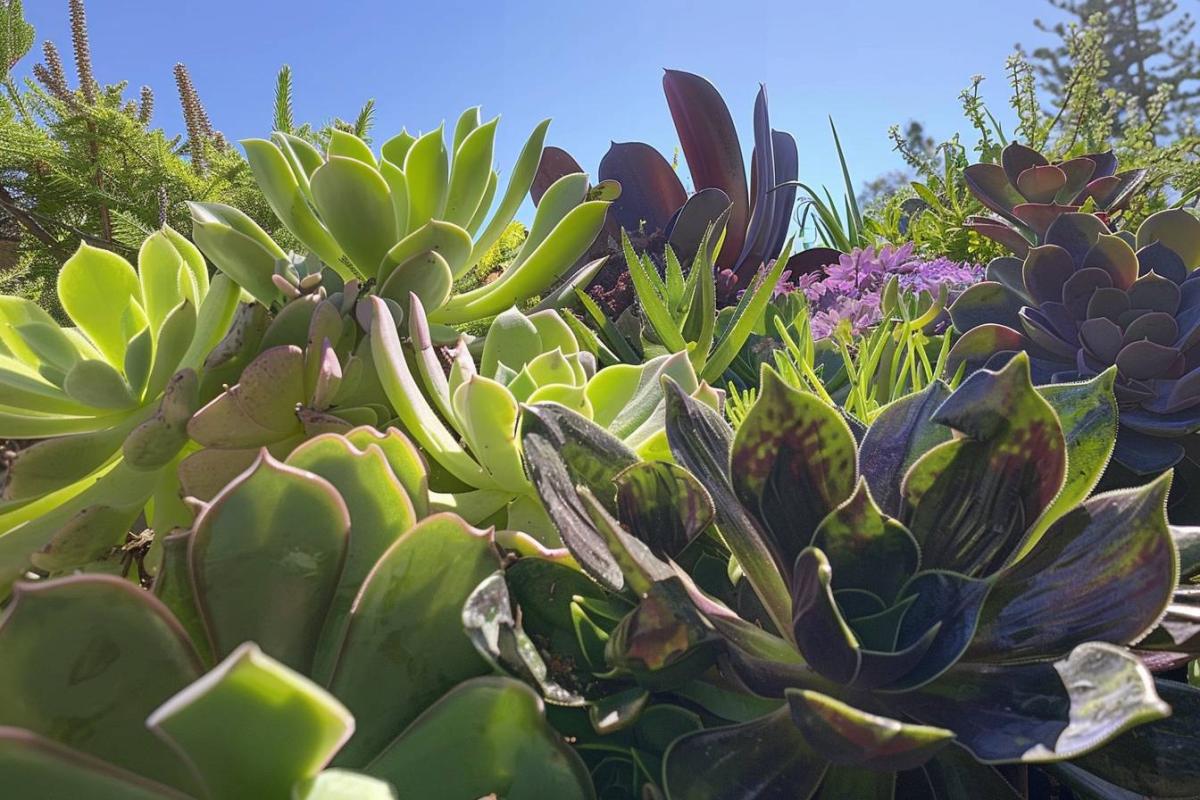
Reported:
(850, 290)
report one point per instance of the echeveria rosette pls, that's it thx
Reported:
(1029, 193)
(1086, 300)
(945, 584)
(105, 399)
(350, 594)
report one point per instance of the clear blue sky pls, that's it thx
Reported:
(594, 67)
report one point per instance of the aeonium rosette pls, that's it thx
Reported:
(1089, 299)
(939, 596)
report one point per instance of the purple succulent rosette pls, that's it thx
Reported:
(1027, 193)
(850, 290)
(1089, 299)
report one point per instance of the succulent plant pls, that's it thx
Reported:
(325, 563)
(1088, 299)
(106, 400)
(941, 582)
(678, 314)
(466, 422)
(307, 371)
(655, 209)
(250, 727)
(1029, 193)
(413, 220)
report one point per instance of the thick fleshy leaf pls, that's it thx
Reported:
(563, 246)
(651, 192)
(545, 591)
(1000, 232)
(822, 636)
(251, 727)
(355, 204)
(238, 247)
(766, 759)
(404, 641)
(970, 501)
(664, 642)
(793, 460)
(341, 784)
(1060, 594)
(1040, 712)
(555, 163)
(1175, 228)
(787, 171)
(902, 432)
(1158, 759)
(978, 346)
(1044, 272)
(380, 512)
(663, 505)
(866, 549)
(1040, 184)
(33, 766)
(279, 185)
(489, 619)
(1113, 255)
(1087, 412)
(762, 199)
(97, 289)
(563, 450)
(846, 735)
(710, 145)
(701, 440)
(513, 752)
(705, 208)
(266, 555)
(86, 659)
(1076, 233)
(1016, 158)
(985, 303)
(173, 586)
(992, 187)
(260, 408)
(944, 611)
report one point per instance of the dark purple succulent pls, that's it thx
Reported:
(655, 208)
(1028, 193)
(1087, 300)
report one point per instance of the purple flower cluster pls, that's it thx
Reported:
(850, 289)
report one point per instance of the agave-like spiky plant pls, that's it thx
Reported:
(1028, 192)
(655, 209)
(106, 400)
(413, 219)
(933, 600)
(1087, 300)
(329, 564)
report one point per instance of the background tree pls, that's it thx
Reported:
(1149, 43)
(81, 161)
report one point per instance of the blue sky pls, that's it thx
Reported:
(594, 67)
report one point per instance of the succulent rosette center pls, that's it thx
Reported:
(1089, 299)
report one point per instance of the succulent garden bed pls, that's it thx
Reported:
(368, 491)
